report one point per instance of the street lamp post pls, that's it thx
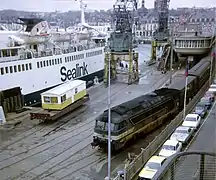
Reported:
(171, 58)
(185, 94)
(109, 121)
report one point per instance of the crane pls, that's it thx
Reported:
(162, 8)
(121, 41)
(161, 35)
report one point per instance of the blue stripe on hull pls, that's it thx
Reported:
(33, 98)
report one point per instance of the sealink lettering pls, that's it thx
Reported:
(68, 74)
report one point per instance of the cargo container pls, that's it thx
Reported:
(61, 100)
(62, 96)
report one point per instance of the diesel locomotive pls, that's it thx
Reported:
(147, 112)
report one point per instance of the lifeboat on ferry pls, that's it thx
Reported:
(83, 35)
(35, 31)
(62, 36)
(35, 39)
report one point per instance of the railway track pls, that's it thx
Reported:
(59, 151)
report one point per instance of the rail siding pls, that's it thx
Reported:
(131, 170)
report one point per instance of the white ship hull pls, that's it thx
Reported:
(43, 75)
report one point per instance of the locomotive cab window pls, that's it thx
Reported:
(120, 126)
(104, 126)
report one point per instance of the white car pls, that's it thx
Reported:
(192, 120)
(151, 167)
(182, 134)
(170, 147)
(213, 86)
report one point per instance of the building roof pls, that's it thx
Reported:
(61, 89)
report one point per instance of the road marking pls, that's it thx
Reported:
(195, 135)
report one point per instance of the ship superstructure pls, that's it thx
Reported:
(38, 59)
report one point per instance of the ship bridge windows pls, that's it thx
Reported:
(23, 67)
(2, 71)
(50, 62)
(11, 69)
(15, 68)
(6, 70)
(26, 66)
(93, 53)
(73, 58)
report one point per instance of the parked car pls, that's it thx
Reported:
(192, 120)
(170, 147)
(207, 102)
(210, 94)
(182, 134)
(201, 109)
(213, 86)
(151, 167)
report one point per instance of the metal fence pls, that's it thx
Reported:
(189, 165)
(131, 170)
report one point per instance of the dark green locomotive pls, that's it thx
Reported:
(146, 113)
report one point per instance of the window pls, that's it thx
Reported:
(54, 100)
(182, 131)
(58, 60)
(11, 69)
(47, 63)
(14, 52)
(2, 71)
(30, 66)
(63, 98)
(15, 68)
(169, 147)
(19, 68)
(55, 61)
(44, 63)
(47, 99)
(190, 119)
(26, 66)
(6, 70)
(38, 65)
(41, 64)
(23, 67)
(65, 59)
(76, 90)
(50, 63)
(153, 165)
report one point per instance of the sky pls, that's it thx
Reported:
(66, 5)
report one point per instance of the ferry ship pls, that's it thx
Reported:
(35, 62)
